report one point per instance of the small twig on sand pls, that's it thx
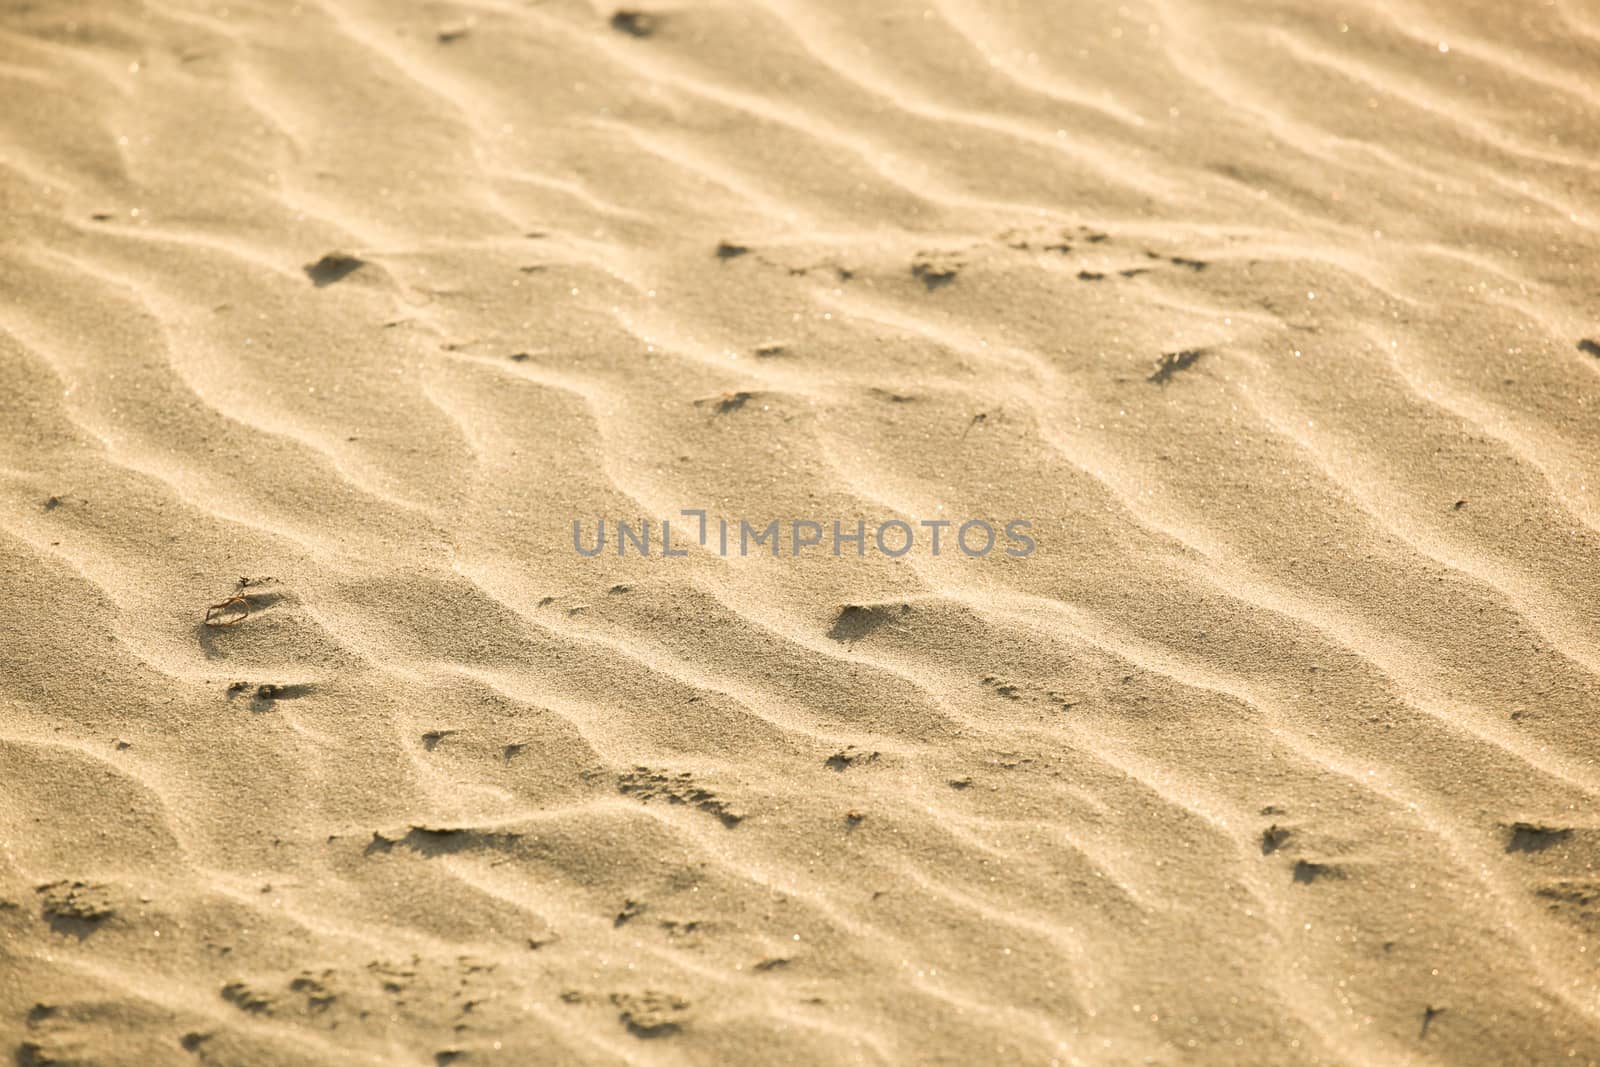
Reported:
(230, 612)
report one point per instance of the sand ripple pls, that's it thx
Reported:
(1278, 322)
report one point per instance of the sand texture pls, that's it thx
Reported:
(321, 322)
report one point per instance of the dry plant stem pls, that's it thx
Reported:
(215, 612)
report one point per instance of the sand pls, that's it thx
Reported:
(321, 323)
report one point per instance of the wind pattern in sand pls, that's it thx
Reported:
(1280, 319)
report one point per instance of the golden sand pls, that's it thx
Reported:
(321, 324)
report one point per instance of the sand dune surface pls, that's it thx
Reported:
(1274, 323)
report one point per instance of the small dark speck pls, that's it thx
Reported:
(270, 692)
(729, 250)
(1591, 347)
(1459, 504)
(1531, 837)
(728, 403)
(934, 274)
(333, 267)
(1171, 363)
(635, 23)
(1306, 872)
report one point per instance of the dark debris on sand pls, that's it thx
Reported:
(1533, 837)
(1171, 363)
(650, 1013)
(76, 908)
(936, 269)
(333, 267)
(635, 23)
